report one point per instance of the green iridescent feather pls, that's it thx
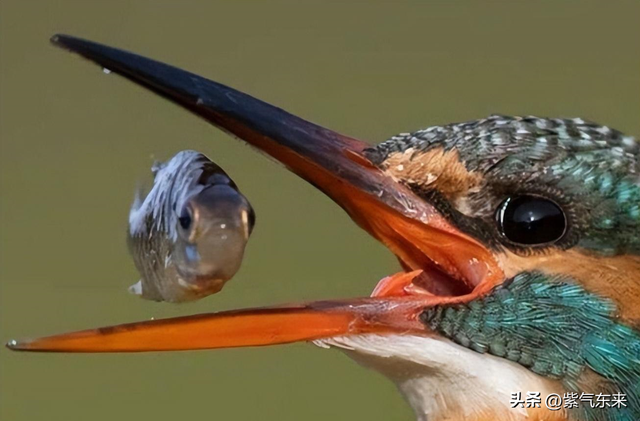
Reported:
(555, 328)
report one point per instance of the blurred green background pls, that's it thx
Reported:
(75, 142)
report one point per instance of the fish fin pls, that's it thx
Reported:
(156, 166)
(136, 289)
(135, 216)
(137, 198)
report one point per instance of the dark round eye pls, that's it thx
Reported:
(531, 220)
(185, 219)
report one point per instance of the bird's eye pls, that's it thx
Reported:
(185, 218)
(531, 220)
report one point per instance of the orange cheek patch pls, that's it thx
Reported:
(436, 168)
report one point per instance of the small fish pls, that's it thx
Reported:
(188, 235)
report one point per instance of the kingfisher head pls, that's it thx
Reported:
(560, 196)
(518, 243)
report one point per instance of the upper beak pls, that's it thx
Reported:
(412, 228)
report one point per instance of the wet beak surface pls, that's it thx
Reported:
(412, 228)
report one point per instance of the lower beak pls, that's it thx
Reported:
(239, 328)
(413, 229)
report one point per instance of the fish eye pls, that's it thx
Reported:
(531, 220)
(185, 219)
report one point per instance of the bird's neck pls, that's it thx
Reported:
(444, 381)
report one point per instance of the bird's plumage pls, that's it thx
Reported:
(556, 329)
(442, 380)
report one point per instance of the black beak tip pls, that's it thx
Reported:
(62, 41)
(55, 39)
(89, 49)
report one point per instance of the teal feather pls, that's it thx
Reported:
(555, 328)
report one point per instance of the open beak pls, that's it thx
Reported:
(441, 264)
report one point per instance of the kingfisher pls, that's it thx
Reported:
(518, 240)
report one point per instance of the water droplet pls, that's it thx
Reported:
(106, 71)
(12, 343)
